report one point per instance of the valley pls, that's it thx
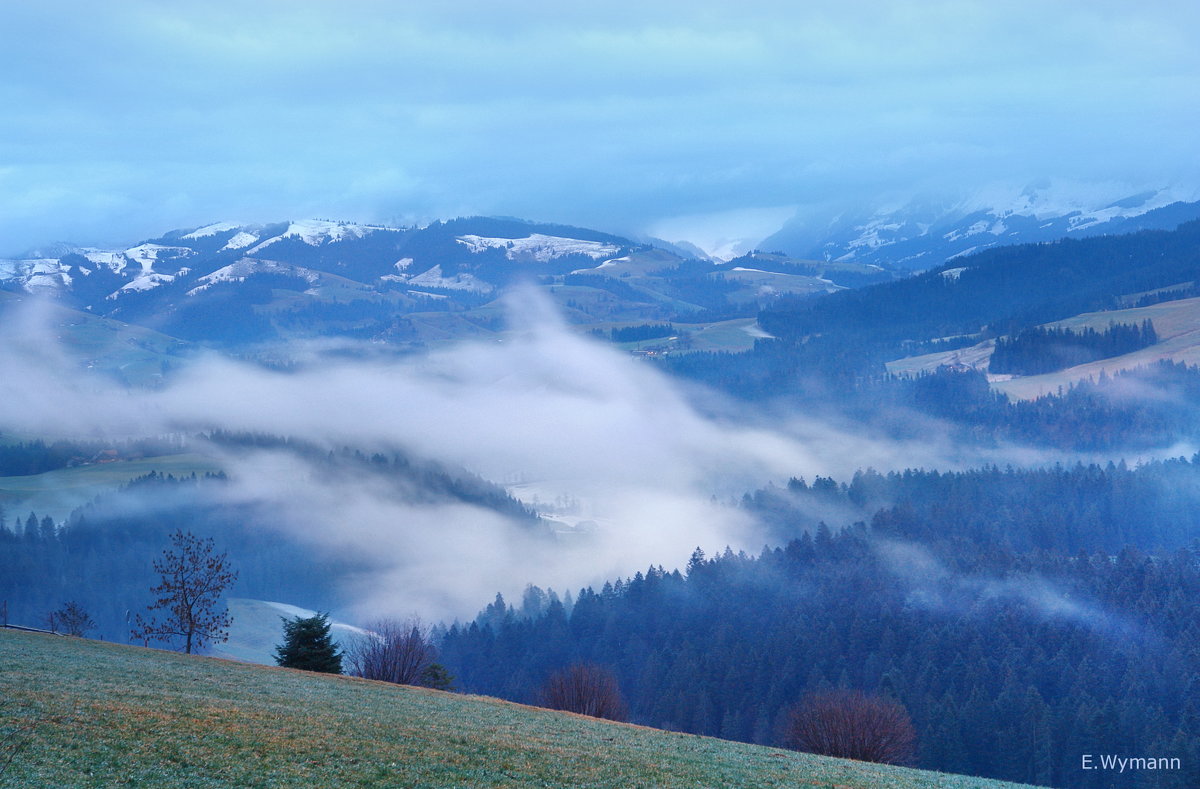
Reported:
(600, 395)
(413, 423)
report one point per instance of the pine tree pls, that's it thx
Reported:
(308, 645)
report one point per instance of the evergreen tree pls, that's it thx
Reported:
(308, 645)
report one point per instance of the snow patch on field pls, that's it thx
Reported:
(974, 230)
(433, 278)
(146, 255)
(756, 331)
(539, 247)
(38, 275)
(142, 282)
(605, 265)
(239, 271)
(315, 232)
(240, 241)
(113, 261)
(212, 230)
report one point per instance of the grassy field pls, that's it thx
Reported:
(91, 714)
(1176, 322)
(129, 353)
(56, 493)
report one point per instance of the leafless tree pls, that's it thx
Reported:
(392, 650)
(71, 619)
(587, 689)
(194, 577)
(852, 725)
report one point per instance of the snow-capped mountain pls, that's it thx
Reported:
(923, 233)
(234, 284)
(226, 252)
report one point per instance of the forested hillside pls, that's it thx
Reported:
(842, 338)
(101, 556)
(1011, 664)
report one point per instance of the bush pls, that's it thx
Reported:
(586, 689)
(852, 725)
(392, 651)
(72, 619)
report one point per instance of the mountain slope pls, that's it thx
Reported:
(234, 285)
(923, 234)
(103, 714)
(1012, 286)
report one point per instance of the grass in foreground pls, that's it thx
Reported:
(112, 715)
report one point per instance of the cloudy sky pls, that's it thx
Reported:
(124, 119)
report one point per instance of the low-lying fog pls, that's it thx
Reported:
(552, 414)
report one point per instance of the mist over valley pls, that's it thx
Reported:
(816, 389)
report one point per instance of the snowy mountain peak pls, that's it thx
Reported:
(316, 232)
(923, 233)
(213, 229)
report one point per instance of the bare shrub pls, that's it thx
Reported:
(852, 725)
(393, 650)
(72, 619)
(587, 689)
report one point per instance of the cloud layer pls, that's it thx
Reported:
(643, 472)
(125, 119)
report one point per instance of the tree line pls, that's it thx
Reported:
(1009, 664)
(1039, 349)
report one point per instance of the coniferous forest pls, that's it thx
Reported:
(1010, 664)
(1022, 618)
(1041, 350)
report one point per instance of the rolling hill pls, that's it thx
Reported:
(1177, 323)
(89, 714)
(232, 286)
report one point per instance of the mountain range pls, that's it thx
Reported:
(924, 233)
(243, 286)
(231, 284)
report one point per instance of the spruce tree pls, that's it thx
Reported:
(307, 645)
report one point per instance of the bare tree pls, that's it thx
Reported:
(72, 619)
(587, 689)
(392, 650)
(852, 725)
(194, 577)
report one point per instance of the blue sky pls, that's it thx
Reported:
(124, 119)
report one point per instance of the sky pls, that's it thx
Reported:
(716, 119)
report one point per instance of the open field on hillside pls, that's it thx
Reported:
(1177, 324)
(130, 353)
(56, 493)
(90, 714)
